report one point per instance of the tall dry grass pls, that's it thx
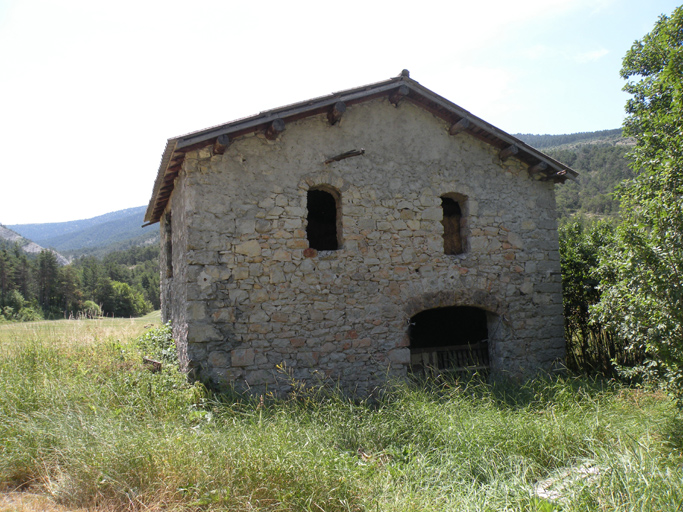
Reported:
(85, 424)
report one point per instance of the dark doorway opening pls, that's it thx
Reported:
(322, 221)
(450, 338)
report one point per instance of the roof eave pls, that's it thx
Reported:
(419, 94)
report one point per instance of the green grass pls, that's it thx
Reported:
(84, 422)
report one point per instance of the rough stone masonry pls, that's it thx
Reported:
(247, 294)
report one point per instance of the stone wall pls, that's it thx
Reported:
(247, 296)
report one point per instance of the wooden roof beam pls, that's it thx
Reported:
(274, 129)
(221, 144)
(459, 127)
(538, 168)
(336, 112)
(399, 93)
(508, 152)
(560, 175)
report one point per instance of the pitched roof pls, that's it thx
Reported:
(400, 88)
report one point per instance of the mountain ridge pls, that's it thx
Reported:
(95, 235)
(602, 160)
(29, 247)
(543, 141)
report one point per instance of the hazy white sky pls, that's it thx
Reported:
(91, 90)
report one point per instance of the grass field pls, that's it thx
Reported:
(85, 426)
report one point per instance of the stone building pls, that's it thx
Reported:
(356, 237)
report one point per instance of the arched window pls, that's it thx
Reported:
(324, 220)
(453, 222)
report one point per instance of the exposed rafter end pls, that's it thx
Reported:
(558, 176)
(221, 144)
(336, 112)
(508, 152)
(459, 127)
(274, 129)
(399, 93)
(538, 168)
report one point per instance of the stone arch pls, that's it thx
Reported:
(324, 179)
(461, 297)
(481, 306)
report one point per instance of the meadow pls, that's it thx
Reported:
(85, 425)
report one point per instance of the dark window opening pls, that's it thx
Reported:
(322, 221)
(452, 222)
(450, 338)
(169, 245)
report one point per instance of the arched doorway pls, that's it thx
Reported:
(452, 338)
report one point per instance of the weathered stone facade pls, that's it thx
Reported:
(246, 294)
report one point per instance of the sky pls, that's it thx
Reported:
(91, 90)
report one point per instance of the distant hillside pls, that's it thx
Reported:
(96, 236)
(601, 161)
(552, 141)
(9, 238)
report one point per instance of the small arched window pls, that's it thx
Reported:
(453, 222)
(324, 220)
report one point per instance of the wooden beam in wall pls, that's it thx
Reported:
(221, 144)
(336, 112)
(539, 167)
(274, 129)
(459, 127)
(399, 93)
(343, 156)
(508, 152)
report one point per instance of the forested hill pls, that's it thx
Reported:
(601, 161)
(102, 278)
(552, 141)
(96, 236)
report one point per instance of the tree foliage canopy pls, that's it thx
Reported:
(124, 283)
(642, 299)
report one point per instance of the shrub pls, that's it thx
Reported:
(90, 309)
(158, 344)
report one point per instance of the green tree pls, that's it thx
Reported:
(91, 274)
(68, 287)
(120, 299)
(642, 298)
(4, 276)
(47, 279)
(23, 277)
(590, 348)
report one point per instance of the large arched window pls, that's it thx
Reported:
(453, 222)
(324, 219)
